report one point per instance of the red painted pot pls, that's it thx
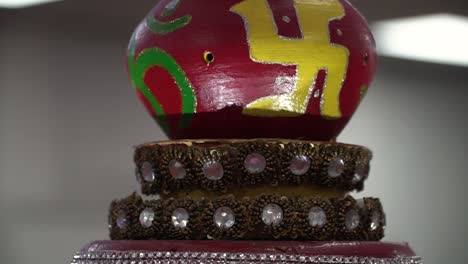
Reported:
(252, 68)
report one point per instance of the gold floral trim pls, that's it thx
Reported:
(147, 154)
(343, 208)
(268, 152)
(176, 154)
(276, 231)
(193, 211)
(248, 220)
(375, 218)
(318, 232)
(221, 156)
(238, 207)
(329, 153)
(294, 150)
(231, 154)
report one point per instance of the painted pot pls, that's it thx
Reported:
(252, 68)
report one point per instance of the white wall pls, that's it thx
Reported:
(68, 120)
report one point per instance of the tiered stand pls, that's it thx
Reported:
(253, 94)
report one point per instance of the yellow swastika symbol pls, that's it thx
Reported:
(312, 53)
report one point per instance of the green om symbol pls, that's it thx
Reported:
(156, 57)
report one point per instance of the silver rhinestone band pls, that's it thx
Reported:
(134, 257)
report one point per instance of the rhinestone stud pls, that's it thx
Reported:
(336, 167)
(177, 170)
(300, 165)
(317, 217)
(180, 218)
(147, 217)
(138, 175)
(352, 219)
(272, 214)
(109, 221)
(213, 170)
(375, 221)
(255, 163)
(224, 217)
(360, 173)
(147, 172)
(356, 178)
(122, 220)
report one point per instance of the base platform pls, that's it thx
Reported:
(152, 252)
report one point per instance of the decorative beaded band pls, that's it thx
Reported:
(264, 217)
(114, 257)
(168, 167)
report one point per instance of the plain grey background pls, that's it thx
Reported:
(69, 119)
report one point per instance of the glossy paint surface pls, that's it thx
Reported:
(346, 249)
(291, 69)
